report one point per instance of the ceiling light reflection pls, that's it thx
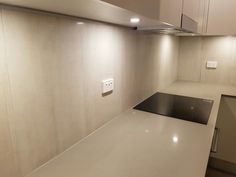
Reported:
(135, 20)
(175, 139)
(80, 23)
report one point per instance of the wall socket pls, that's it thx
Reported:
(211, 64)
(107, 85)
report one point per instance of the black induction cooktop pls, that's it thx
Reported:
(180, 107)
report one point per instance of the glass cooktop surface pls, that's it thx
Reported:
(180, 107)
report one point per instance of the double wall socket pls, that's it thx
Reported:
(211, 64)
(107, 85)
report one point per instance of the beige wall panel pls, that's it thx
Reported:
(190, 59)
(217, 49)
(108, 53)
(29, 49)
(159, 61)
(55, 71)
(196, 51)
(8, 165)
(68, 83)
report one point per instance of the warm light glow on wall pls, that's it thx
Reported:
(167, 54)
(228, 41)
(166, 44)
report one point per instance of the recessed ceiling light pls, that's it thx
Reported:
(80, 23)
(135, 20)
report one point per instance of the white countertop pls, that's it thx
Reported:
(140, 144)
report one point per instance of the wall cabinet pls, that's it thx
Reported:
(168, 11)
(210, 17)
(203, 16)
(171, 11)
(187, 14)
(191, 8)
(221, 17)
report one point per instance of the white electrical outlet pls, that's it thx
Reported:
(107, 85)
(211, 64)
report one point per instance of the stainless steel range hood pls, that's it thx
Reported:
(188, 27)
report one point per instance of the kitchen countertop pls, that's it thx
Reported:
(142, 144)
